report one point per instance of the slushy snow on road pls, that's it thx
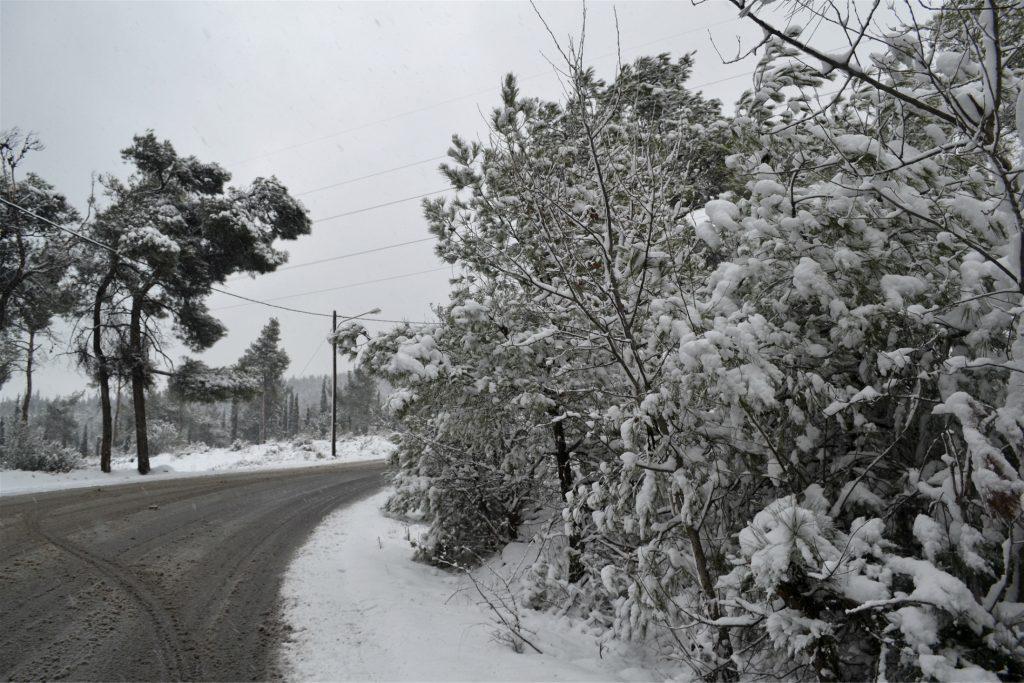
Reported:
(273, 455)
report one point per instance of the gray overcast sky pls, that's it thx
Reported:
(314, 93)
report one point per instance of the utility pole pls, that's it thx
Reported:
(334, 374)
(334, 385)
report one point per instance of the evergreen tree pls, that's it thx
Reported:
(177, 216)
(266, 362)
(286, 413)
(324, 404)
(34, 258)
(357, 400)
(58, 422)
(83, 446)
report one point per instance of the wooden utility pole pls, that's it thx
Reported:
(334, 385)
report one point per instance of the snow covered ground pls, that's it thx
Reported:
(361, 609)
(274, 455)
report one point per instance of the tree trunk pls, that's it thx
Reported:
(103, 373)
(263, 415)
(139, 384)
(234, 419)
(565, 486)
(29, 354)
(117, 414)
(723, 648)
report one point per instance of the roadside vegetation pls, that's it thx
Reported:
(760, 372)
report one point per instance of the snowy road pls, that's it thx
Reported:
(175, 579)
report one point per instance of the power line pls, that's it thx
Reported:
(413, 164)
(393, 202)
(440, 158)
(361, 126)
(381, 206)
(371, 175)
(316, 351)
(250, 301)
(721, 80)
(69, 231)
(137, 263)
(391, 246)
(446, 189)
(693, 86)
(264, 303)
(452, 100)
(334, 289)
(304, 264)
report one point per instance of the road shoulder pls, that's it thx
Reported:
(358, 608)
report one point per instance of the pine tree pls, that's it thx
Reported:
(83, 447)
(34, 258)
(324, 404)
(178, 216)
(286, 413)
(266, 361)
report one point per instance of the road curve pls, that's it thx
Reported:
(163, 580)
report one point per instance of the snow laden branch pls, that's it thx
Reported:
(193, 380)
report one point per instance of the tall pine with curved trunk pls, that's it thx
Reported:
(182, 230)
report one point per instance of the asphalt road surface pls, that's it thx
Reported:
(165, 580)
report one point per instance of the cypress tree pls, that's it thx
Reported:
(266, 361)
(286, 417)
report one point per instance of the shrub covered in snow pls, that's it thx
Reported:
(165, 437)
(471, 476)
(24, 448)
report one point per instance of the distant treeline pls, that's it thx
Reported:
(299, 406)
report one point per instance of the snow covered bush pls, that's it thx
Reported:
(165, 437)
(467, 469)
(858, 345)
(24, 448)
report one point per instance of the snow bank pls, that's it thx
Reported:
(274, 455)
(362, 610)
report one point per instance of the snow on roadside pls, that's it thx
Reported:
(273, 455)
(361, 609)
